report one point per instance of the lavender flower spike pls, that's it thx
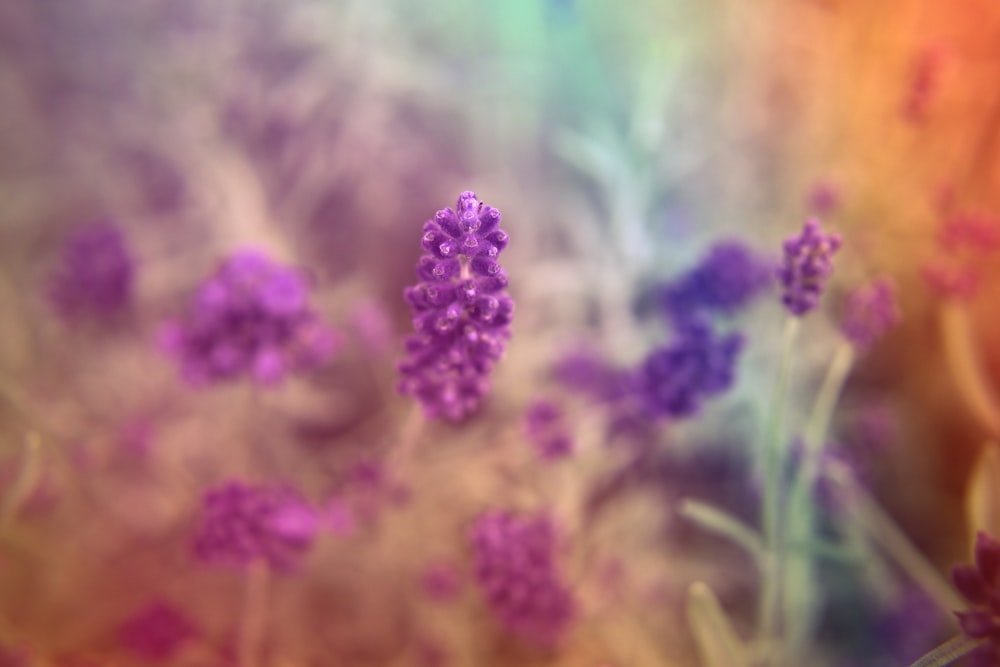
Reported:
(251, 317)
(869, 312)
(242, 523)
(807, 266)
(515, 567)
(461, 311)
(95, 274)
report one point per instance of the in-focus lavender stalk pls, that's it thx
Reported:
(95, 274)
(807, 265)
(251, 317)
(516, 569)
(242, 524)
(461, 311)
(980, 585)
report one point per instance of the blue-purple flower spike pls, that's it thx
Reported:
(725, 280)
(807, 265)
(461, 311)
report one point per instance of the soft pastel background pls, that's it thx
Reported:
(618, 139)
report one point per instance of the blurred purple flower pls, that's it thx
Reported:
(869, 312)
(546, 429)
(95, 273)
(516, 569)
(807, 266)
(823, 199)
(980, 585)
(728, 276)
(250, 317)
(242, 523)
(587, 373)
(156, 632)
(461, 311)
(441, 582)
(674, 379)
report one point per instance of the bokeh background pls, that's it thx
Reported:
(619, 141)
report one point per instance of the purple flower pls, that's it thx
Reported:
(515, 566)
(586, 372)
(461, 311)
(675, 379)
(157, 632)
(242, 523)
(869, 312)
(807, 266)
(724, 281)
(250, 318)
(95, 273)
(980, 585)
(823, 199)
(546, 429)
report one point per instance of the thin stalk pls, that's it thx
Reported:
(774, 457)
(254, 619)
(27, 477)
(882, 529)
(960, 351)
(949, 652)
(715, 520)
(718, 643)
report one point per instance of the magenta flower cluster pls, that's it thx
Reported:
(516, 569)
(252, 317)
(869, 312)
(547, 429)
(461, 311)
(980, 585)
(808, 263)
(242, 523)
(95, 273)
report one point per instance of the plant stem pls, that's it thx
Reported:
(27, 477)
(774, 458)
(960, 351)
(717, 521)
(949, 652)
(254, 618)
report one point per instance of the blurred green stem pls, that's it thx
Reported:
(949, 652)
(775, 449)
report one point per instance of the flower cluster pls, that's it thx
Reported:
(95, 273)
(674, 379)
(546, 429)
(807, 265)
(869, 312)
(251, 317)
(242, 523)
(515, 566)
(157, 632)
(980, 585)
(724, 281)
(461, 311)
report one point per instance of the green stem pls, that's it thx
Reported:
(774, 457)
(949, 652)
(718, 643)
(882, 529)
(720, 522)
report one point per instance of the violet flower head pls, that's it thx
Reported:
(461, 311)
(156, 633)
(724, 281)
(546, 428)
(95, 273)
(869, 312)
(516, 569)
(242, 523)
(980, 585)
(251, 317)
(807, 266)
(674, 380)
